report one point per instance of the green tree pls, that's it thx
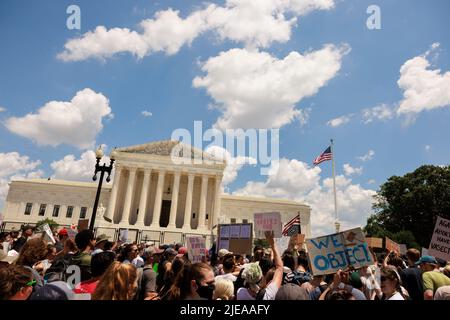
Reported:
(407, 207)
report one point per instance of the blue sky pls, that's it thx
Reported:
(32, 74)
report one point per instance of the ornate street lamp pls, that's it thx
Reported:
(102, 169)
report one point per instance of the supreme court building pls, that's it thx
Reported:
(162, 192)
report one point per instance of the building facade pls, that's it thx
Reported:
(162, 192)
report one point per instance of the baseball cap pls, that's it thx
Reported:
(291, 291)
(182, 250)
(223, 252)
(57, 290)
(62, 232)
(426, 259)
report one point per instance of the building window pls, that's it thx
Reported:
(207, 216)
(193, 215)
(244, 220)
(83, 213)
(233, 220)
(28, 208)
(42, 209)
(69, 212)
(56, 210)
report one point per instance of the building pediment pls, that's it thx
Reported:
(170, 148)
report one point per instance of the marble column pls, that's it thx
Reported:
(188, 206)
(217, 200)
(158, 200)
(144, 197)
(128, 197)
(109, 216)
(203, 197)
(174, 202)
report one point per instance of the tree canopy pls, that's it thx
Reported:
(407, 206)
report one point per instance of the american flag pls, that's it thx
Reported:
(324, 156)
(292, 227)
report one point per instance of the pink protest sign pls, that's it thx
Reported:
(269, 221)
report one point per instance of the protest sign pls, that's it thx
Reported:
(237, 238)
(270, 221)
(440, 241)
(425, 252)
(196, 248)
(48, 232)
(83, 224)
(403, 248)
(123, 235)
(337, 251)
(375, 242)
(392, 246)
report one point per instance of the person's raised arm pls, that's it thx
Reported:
(278, 275)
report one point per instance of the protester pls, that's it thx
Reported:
(27, 232)
(99, 264)
(412, 276)
(224, 289)
(16, 283)
(148, 287)
(31, 256)
(164, 266)
(139, 261)
(291, 291)
(58, 290)
(100, 242)
(85, 242)
(194, 282)
(63, 235)
(228, 267)
(258, 288)
(129, 253)
(432, 278)
(299, 275)
(442, 293)
(391, 284)
(119, 282)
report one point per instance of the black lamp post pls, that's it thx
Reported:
(102, 169)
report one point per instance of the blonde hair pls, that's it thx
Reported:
(224, 289)
(117, 283)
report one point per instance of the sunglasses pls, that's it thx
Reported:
(31, 283)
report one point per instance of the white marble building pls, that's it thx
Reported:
(162, 191)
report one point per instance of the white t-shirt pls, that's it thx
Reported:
(226, 276)
(271, 292)
(397, 296)
(138, 262)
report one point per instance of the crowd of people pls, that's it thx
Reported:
(94, 268)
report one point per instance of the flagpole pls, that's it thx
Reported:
(336, 223)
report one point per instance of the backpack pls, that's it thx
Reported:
(57, 271)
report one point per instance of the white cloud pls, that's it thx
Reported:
(297, 181)
(256, 90)
(2, 109)
(368, 156)
(371, 181)
(76, 122)
(70, 168)
(336, 122)
(234, 164)
(303, 116)
(380, 112)
(15, 166)
(256, 23)
(423, 88)
(146, 113)
(13, 163)
(427, 147)
(349, 170)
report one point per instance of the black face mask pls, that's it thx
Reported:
(206, 292)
